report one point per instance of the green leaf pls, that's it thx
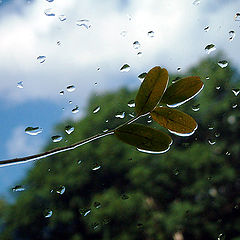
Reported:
(151, 90)
(182, 91)
(175, 121)
(144, 138)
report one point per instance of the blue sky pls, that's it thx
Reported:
(26, 33)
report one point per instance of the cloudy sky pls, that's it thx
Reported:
(85, 43)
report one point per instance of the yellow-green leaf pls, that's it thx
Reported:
(151, 90)
(182, 91)
(144, 138)
(175, 121)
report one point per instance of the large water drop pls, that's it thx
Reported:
(75, 110)
(236, 91)
(33, 130)
(71, 88)
(97, 109)
(69, 129)
(125, 68)
(49, 12)
(223, 63)
(41, 59)
(56, 138)
(136, 45)
(210, 48)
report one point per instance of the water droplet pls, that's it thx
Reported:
(70, 102)
(211, 141)
(33, 131)
(96, 167)
(49, 12)
(71, 88)
(123, 33)
(196, 107)
(58, 43)
(207, 78)
(41, 59)
(62, 17)
(207, 28)
(223, 63)
(83, 23)
(131, 103)
(142, 76)
(49, 214)
(231, 35)
(120, 115)
(75, 110)
(217, 134)
(228, 153)
(20, 84)
(56, 138)
(236, 91)
(18, 188)
(220, 236)
(61, 93)
(151, 34)
(237, 16)
(176, 172)
(218, 87)
(69, 129)
(50, 0)
(97, 205)
(132, 114)
(97, 109)
(95, 226)
(234, 105)
(125, 197)
(179, 69)
(136, 45)
(139, 225)
(61, 190)
(210, 48)
(85, 212)
(125, 68)
(139, 54)
(196, 2)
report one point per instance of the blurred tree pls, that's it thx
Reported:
(112, 191)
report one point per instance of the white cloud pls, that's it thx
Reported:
(179, 42)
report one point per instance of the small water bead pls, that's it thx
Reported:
(62, 17)
(97, 109)
(58, 43)
(217, 134)
(207, 78)
(210, 48)
(20, 84)
(139, 54)
(220, 236)
(142, 76)
(176, 172)
(69, 129)
(18, 188)
(75, 110)
(179, 69)
(136, 45)
(236, 91)
(33, 131)
(125, 68)
(218, 87)
(131, 104)
(61, 190)
(227, 153)
(41, 59)
(223, 63)
(211, 141)
(61, 93)
(196, 107)
(83, 23)
(120, 115)
(123, 33)
(96, 167)
(231, 35)
(151, 34)
(97, 205)
(206, 29)
(237, 16)
(49, 12)
(56, 138)
(49, 214)
(125, 197)
(196, 2)
(71, 88)
(70, 102)
(234, 105)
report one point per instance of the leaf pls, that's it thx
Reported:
(144, 138)
(151, 90)
(182, 91)
(175, 121)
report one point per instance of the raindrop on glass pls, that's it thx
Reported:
(151, 34)
(86, 212)
(70, 102)
(237, 16)
(61, 93)
(217, 134)
(125, 68)
(96, 167)
(139, 54)
(218, 88)
(69, 129)
(131, 104)
(75, 110)
(18, 188)
(206, 29)
(97, 205)
(207, 78)
(236, 91)
(56, 138)
(61, 190)
(71, 88)
(120, 115)
(20, 84)
(211, 141)
(196, 2)
(123, 33)
(49, 214)
(234, 105)
(33, 131)
(41, 59)
(48, 12)
(62, 17)
(223, 63)
(83, 23)
(58, 43)
(179, 69)
(231, 35)
(196, 107)
(210, 48)
(220, 236)
(97, 109)
(136, 45)
(125, 197)
(142, 76)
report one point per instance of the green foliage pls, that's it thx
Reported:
(193, 189)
